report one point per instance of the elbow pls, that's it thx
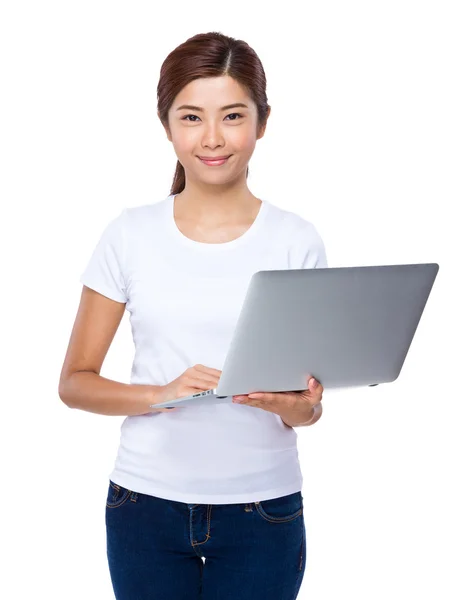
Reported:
(62, 391)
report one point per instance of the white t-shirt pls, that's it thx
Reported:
(184, 298)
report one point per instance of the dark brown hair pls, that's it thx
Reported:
(210, 54)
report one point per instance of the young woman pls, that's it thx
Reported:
(203, 502)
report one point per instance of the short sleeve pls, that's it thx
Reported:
(309, 252)
(105, 270)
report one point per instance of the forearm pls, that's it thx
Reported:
(91, 392)
(295, 421)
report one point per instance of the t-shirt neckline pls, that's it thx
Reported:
(219, 245)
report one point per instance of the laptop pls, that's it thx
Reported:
(345, 326)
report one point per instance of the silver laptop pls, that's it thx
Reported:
(345, 326)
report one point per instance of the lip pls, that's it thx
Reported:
(214, 157)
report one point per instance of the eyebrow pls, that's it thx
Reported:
(191, 107)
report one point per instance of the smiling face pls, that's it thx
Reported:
(203, 122)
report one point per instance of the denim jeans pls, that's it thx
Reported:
(252, 551)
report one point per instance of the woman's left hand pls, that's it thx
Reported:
(295, 405)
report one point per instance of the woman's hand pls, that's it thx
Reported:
(192, 381)
(294, 406)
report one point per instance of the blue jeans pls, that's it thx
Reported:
(252, 551)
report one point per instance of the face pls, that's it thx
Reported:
(211, 131)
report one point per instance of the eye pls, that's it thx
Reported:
(235, 114)
(230, 115)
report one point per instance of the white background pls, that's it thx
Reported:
(369, 139)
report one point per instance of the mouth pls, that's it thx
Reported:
(214, 161)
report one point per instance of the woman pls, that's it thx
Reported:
(203, 502)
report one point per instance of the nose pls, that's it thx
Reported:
(212, 136)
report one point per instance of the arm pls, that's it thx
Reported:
(317, 413)
(87, 390)
(81, 385)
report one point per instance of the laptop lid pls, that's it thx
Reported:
(346, 326)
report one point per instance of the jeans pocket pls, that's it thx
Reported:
(281, 510)
(117, 495)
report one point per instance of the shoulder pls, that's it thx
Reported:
(305, 245)
(296, 226)
(138, 218)
(143, 212)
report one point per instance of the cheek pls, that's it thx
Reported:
(185, 143)
(242, 139)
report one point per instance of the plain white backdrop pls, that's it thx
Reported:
(369, 139)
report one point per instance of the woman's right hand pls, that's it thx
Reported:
(192, 381)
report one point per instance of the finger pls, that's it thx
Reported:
(241, 399)
(267, 396)
(201, 383)
(314, 385)
(208, 370)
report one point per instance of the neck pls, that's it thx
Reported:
(216, 206)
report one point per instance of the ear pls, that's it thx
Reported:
(263, 128)
(167, 130)
(169, 136)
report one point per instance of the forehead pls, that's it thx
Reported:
(212, 92)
